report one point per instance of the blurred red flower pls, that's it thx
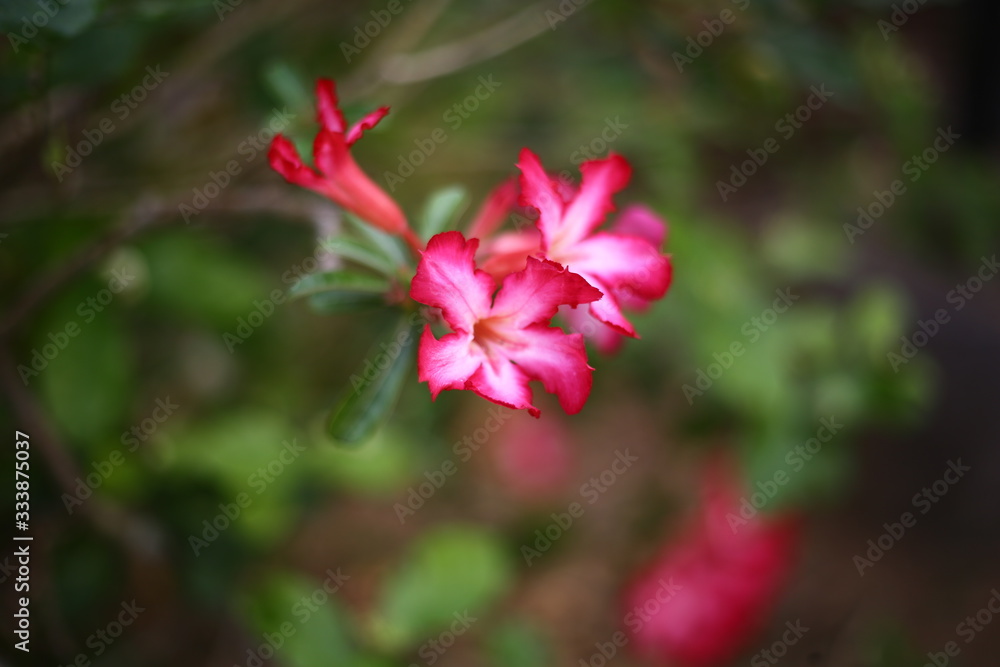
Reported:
(534, 458)
(725, 573)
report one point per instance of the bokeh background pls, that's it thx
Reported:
(117, 114)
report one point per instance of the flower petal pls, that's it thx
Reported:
(601, 180)
(607, 310)
(497, 206)
(350, 187)
(507, 253)
(538, 190)
(534, 295)
(558, 359)
(605, 338)
(621, 262)
(502, 382)
(641, 221)
(328, 112)
(285, 160)
(447, 278)
(368, 122)
(447, 363)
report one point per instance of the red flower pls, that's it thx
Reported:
(612, 262)
(534, 457)
(624, 262)
(635, 220)
(500, 343)
(725, 574)
(339, 177)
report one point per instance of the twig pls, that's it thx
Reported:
(466, 52)
(403, 36)
(140, 216)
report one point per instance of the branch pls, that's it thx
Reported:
(463, 53)
(141, 215)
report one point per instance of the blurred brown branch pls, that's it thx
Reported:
(468, 51)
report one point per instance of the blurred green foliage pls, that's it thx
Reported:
(165, 334)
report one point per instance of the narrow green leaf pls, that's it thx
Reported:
(442, 210)
(340, 291)
(389, 245)
(375, 386)
(359, 253)
(287, 86)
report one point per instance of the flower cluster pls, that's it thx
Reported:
(498, 291)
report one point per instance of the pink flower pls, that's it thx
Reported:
(615, 263)
(339, 177)
(723, 576)
(635, 220)
(534, 458)
(499, 343)
(624, 262)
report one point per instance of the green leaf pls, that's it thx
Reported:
(232, 451)
(340, 291)
(311, 634)
(442, 210)
(516, 643)
(287, 86)
(389, 245)
(360, 253)
(86, 384)
(451, 571)
(201, 279)
(376, 385)
(382, 467)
